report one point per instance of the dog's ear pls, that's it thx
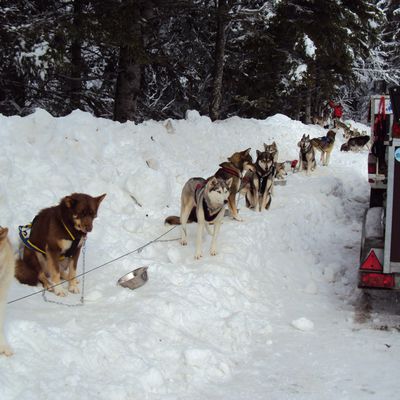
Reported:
(3, 232)
(273, 143)
(229, 182)
(100, 199)
(258, 152)
(70, 201)
(265, 146)
(246, 152)
(212, 182)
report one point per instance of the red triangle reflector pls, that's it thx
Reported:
(371, 263)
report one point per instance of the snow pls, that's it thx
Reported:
(300, 72)
(303, 324)
(309, 47)
(273, 315)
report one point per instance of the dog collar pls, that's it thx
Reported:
(69, 232)
(75, 242)
(305, 149)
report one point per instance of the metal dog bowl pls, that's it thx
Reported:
(134, 279)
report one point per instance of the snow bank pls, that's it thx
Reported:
(217, 328)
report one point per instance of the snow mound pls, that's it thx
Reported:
(303, 324)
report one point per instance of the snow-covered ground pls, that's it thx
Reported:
(273, 316)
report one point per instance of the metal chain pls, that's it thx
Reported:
(138, 250)
(82, 300)
(83, 271)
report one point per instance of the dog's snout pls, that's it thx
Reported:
(88, 227)
(225, 201)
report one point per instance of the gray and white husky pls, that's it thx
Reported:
(202, 201)
(272, 149)
(306, 155)
(7, 269)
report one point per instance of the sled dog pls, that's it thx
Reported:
(7, 266)
(202, 201)
(306, 155)
(265, 170)
(355, 143)
(249, 189)
(237, 163)
(319, 120)
(346, 128)
(280, 170)
(272, 149)
(57, 232)
(325, 145)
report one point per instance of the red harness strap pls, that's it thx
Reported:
(231, 171)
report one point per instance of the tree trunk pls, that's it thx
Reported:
(222, 22)
(75, 84)
(129, 73)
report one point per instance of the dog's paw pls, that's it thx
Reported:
(183, 242)
(59, 291)
(73, 289)
(6, 350)
(213, 252)
(198, 256)
(238, 218)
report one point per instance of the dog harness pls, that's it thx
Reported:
(325, 141)
(232, 171)
(24, 235)
(264, 177)
(208, 215)
(305, 150)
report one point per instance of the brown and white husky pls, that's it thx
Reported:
(7, 268)
(237, 164)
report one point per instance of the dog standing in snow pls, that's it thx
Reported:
(202, 201)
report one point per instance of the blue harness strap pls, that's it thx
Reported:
(325, 141)
(24, 236)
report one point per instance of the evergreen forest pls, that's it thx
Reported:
(154, 59)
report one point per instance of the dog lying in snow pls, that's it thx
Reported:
(355, 143)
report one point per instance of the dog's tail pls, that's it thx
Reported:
(175, 220)
(172, 220)
(25, 274)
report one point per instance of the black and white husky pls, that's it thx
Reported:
(265, 170)
(306, 155)
(257, 185)
(202, 201)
